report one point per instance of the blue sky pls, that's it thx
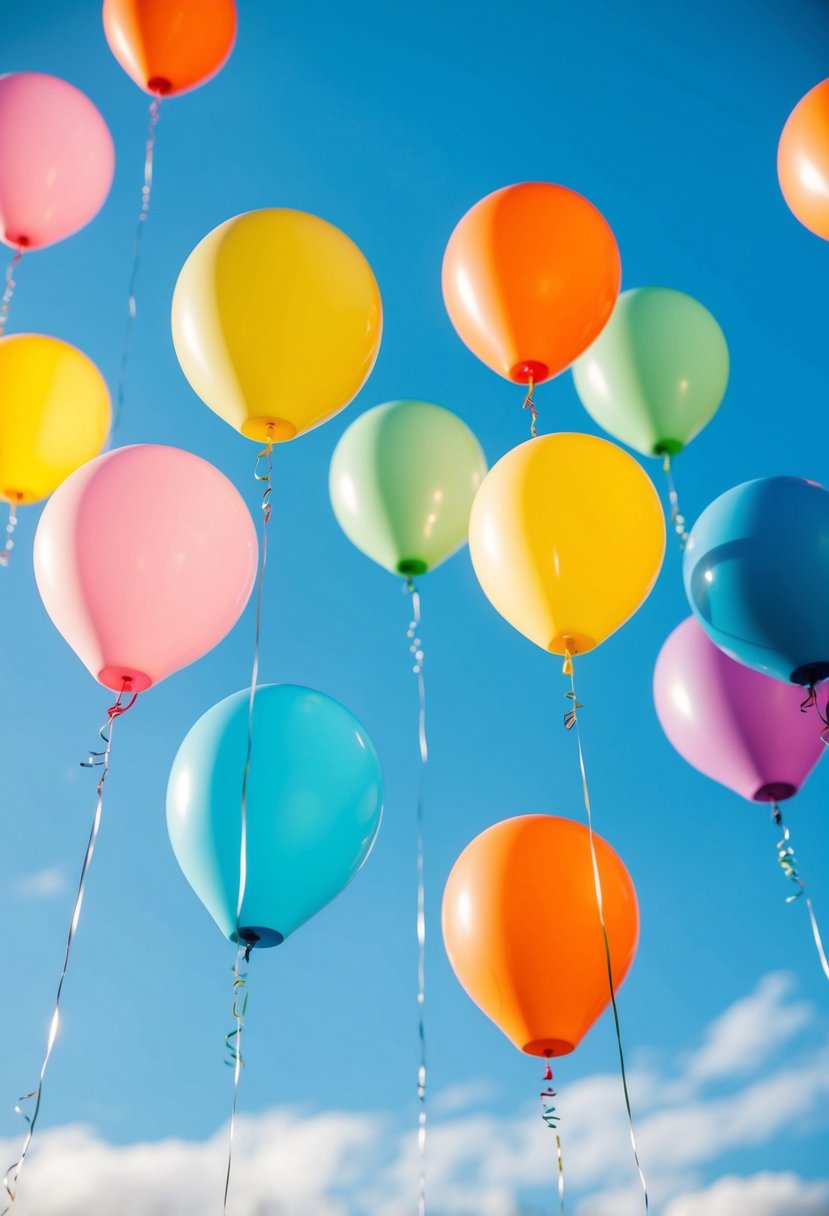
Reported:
(391, 122)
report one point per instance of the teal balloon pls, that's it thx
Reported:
(402, 480)
(314, 803)
(657, 372)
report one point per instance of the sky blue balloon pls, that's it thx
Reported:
(756, 574)
(314, 803)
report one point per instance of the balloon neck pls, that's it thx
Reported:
(410, 566)
(160, 86)
(775, 791)
(17, 239)
(268, 430)
(548, 1048)
(668, 447)
(810, 673)
(257, 938)
(123, 679)
(571, 644)
(529, 372)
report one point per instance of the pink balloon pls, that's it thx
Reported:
(144, 558)
(736, 725)
(56, 159)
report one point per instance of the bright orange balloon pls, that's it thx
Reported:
(803, 160)
(170, 46)
(530, 277)
(522, 931)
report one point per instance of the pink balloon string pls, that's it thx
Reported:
(143, 214)
(11, 283)
(552, 1120)
(788, 863)
(677, 518)
(571, 722)
(6, 553)
(529, 404)
(416, 651)
(96, 759)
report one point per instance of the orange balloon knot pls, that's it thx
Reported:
(529, 404)
(5, 556)
(265, 457)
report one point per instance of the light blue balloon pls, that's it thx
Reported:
(314, 803)
(756, 572)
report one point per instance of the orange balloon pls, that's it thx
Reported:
(170, 46)
(803, 160)
(530, 277)
(521, 928)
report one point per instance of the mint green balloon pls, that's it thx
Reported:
(657, 372)
(402, 481)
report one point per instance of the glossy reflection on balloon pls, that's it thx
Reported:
(736, 725)
(522, 929)
(803, 160)
(657, 372)
(567, 538)
(145, 559)
(402, 481)
(314, 803)
(756, 571)
(530, 276)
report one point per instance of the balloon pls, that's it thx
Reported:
(54, 414)
(522, 931)
(144, 559)
(276, 322)
(756, 572)
(735, 725)
(657, 372)
(402, 481)
(314, 802)
(567, 538)
(57, 159)
(803, 160)
(530, 276)
(170, 46)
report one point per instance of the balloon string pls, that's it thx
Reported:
(811, 702)
(551, 1120)
(146, 196)
(416, 651)
(264, 456)
(98, 759)
(233, 1042)
(529, 404)
(11, 283)
(571, 720)
(677, 518)
(5, 556)
(788, 863)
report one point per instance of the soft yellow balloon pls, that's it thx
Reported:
(567, 538)
(276, 322)
(54, 414)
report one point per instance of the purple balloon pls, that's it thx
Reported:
(736, 725)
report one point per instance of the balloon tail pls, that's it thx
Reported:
(552, 1120)
(677, 518)
(11, 283)
(788, 864)
(416, 651)
(233, 1042)
(264, 457)
(99, 759)
(5, 555)
(571, 720)
(529, 404)
(146, 197)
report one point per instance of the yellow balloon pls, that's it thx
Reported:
(54, 414)
(276, 322)
(567, 538)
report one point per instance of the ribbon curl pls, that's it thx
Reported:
(677, 518)
(788, 864)
(11, 283)
(552, 1120)
(529, 404)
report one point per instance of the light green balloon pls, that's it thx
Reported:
(402, 480)
(657, 372)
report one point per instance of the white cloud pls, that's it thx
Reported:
(42, 884)
(295, 1163)
(762, 1195)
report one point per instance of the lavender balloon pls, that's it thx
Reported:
(736, 725)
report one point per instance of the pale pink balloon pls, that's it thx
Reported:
(736, 725)
(56, 159)
(144, 558)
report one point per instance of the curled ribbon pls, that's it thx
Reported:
(552, 1120)
(233, 1044)
(11, 283)
(677, 518)
(529, 404)
(788, 864)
